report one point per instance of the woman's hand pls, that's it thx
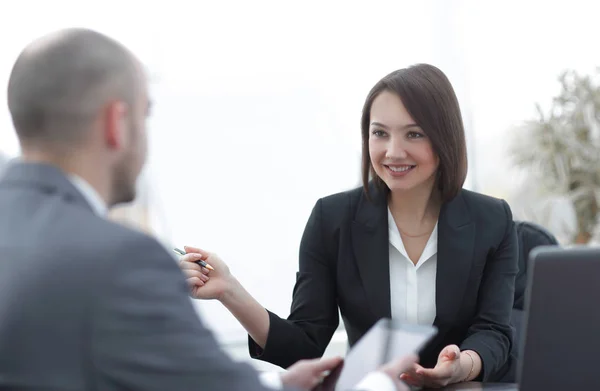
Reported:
(394, 369)
(221, 285)
(204, 283)
(452, 367)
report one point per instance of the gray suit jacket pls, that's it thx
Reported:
(87, 304)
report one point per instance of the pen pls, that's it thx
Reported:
(201, 263)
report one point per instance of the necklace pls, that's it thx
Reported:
(415, 236)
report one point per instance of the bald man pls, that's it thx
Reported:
(85, 303)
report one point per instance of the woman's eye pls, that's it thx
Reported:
(414, 135)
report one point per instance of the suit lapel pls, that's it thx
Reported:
(456, 240)
(371, 249)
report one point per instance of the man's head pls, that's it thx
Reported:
(80, 98)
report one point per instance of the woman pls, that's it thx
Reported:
(411, 244)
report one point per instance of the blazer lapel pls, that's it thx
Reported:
(456, 240)
(371, 250)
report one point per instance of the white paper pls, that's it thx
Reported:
(369, 353)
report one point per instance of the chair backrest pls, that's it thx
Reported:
(530, 236)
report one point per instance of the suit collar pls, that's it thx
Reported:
(456, 240)
(456, 212)
(371, 213)
(90, 194)
(370, 243)
(46, 178)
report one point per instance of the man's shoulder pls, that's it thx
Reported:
(119, 239)
(94, 239)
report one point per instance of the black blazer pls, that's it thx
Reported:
(344, 263)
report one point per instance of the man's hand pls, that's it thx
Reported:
(307, 374)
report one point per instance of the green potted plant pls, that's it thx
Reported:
(561, 149)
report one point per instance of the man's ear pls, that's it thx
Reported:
(115, 117)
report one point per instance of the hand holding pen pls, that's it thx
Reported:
(215, 282)
(200, 262)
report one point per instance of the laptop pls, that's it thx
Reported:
(561, 331)
(561, 340)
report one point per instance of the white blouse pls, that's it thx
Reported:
(412, 287)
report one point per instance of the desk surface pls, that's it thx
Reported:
(475, 386)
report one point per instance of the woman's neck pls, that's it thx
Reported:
(416, 210)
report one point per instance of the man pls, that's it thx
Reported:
(3, 162)
(86, 303)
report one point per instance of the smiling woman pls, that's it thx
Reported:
(411, 244)
(398, 146)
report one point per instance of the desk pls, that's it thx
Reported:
(476, 386)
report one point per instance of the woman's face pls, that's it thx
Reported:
(401, 153)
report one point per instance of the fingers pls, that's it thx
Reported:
(432, 373)
(307, 374)
(212, 259)
(404, 369)
(193, 267)
(440, 375)
(196, 274)
(437, 376)
(188, 262)
(412, 379)
(405, 364)
(191, 258)
(190, 266)
(194, 282)
(326, 364)
(189, 249)
(450, 352)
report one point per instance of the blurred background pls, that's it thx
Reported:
(257, 107)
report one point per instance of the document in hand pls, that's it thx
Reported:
(385, 341)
